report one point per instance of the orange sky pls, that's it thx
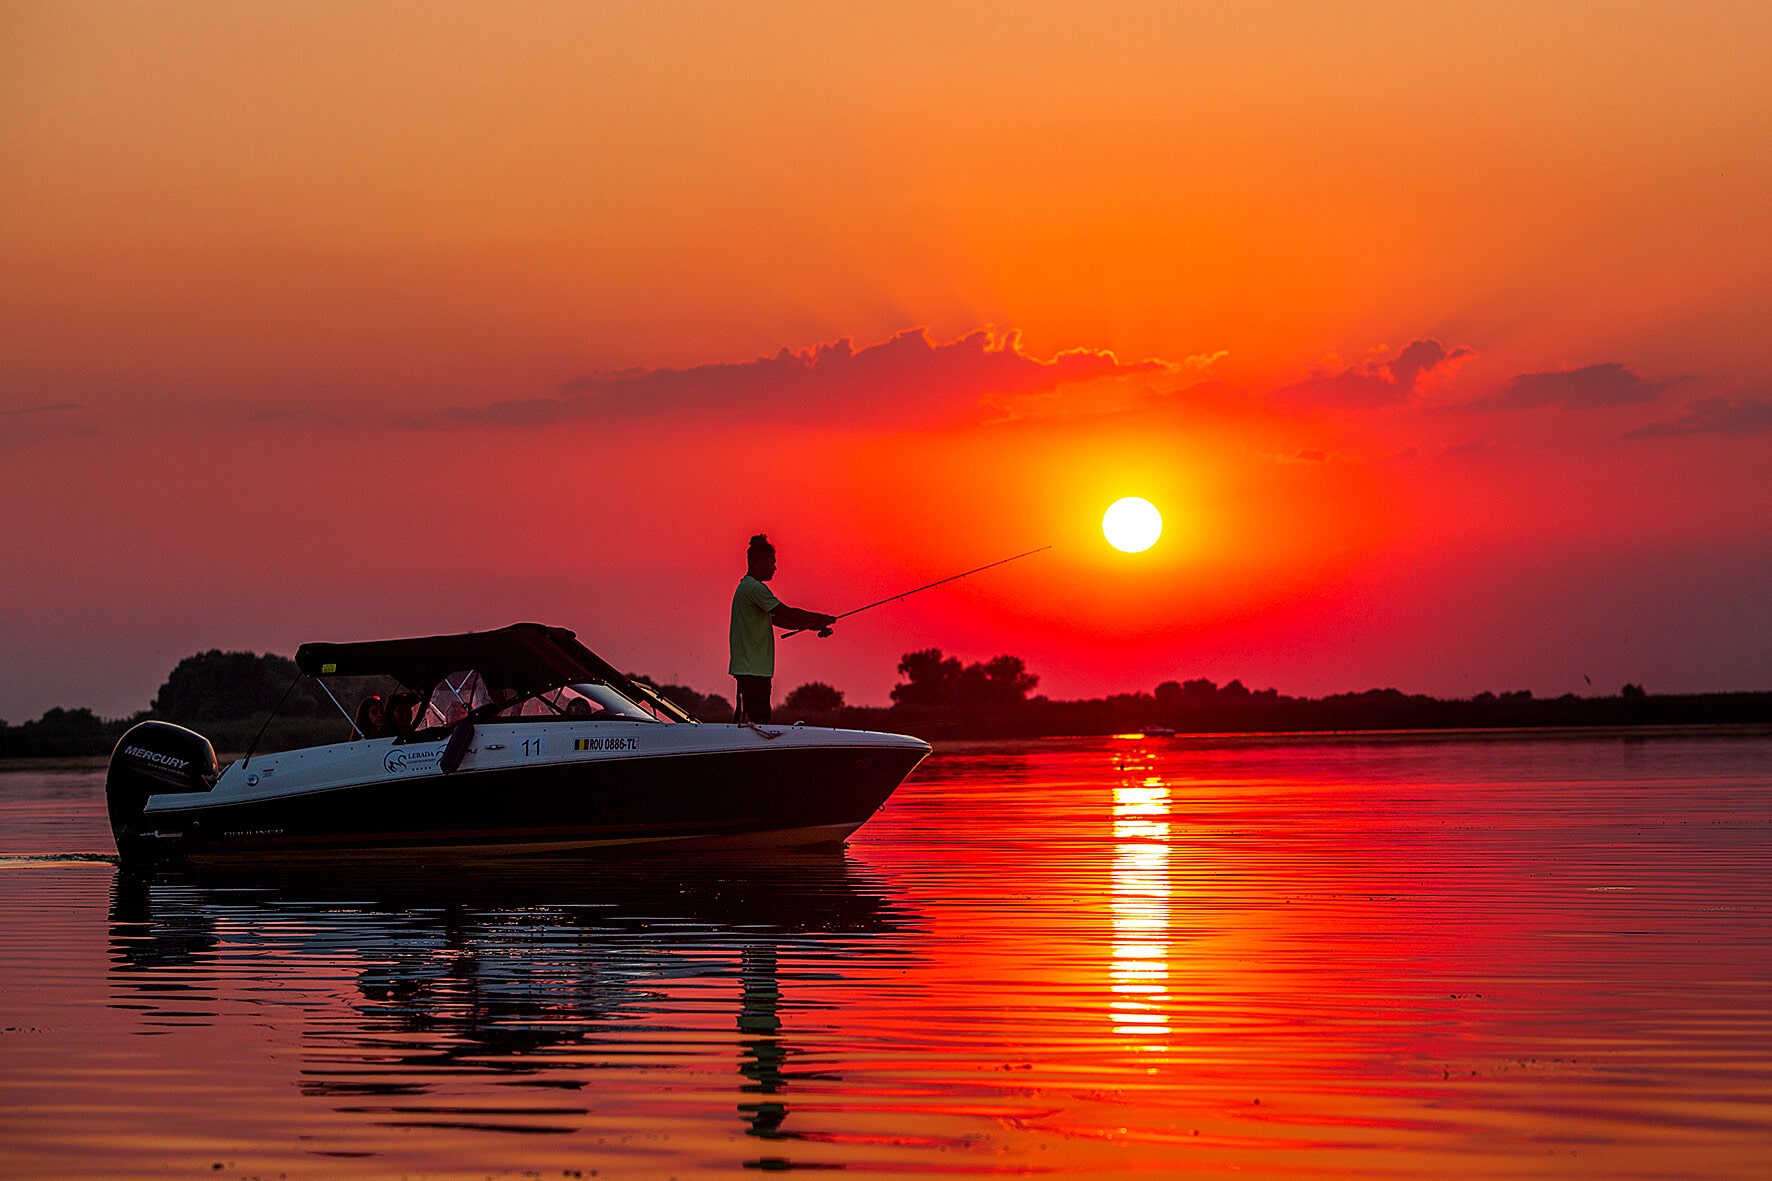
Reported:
(339, 321)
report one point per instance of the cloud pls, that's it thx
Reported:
(907, 377)
(1472, 449)
(1441, 452)
(1721, 415)
(1200, 362)
(1587, 388)
(20, 425)
(1421, 357)
(1308, 456)
(1379, 380)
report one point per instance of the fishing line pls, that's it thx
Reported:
(927, 586)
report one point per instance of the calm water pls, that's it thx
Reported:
(1523, 957)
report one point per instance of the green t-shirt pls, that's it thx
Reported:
(753, 640)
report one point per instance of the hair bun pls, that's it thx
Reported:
(760, 541)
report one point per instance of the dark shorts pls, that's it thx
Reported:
(753, 700)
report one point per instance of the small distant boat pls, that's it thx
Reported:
(528, 742)
(1159, 732)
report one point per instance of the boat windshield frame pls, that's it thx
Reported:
(497, 711)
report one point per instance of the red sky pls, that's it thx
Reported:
(1438, 333)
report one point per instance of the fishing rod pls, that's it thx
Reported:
(927, 586)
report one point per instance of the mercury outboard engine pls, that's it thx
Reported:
(153, 758)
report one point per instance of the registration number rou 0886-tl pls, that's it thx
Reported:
(605, 744)
(532, 747)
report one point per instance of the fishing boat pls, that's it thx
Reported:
(525, 741)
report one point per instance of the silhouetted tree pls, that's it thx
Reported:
(815, 697)
(1632, 692)
(62, 732)
(999, 682)
(1200, 691)
(709, 707)
(217, 686)
(930, 679)
(933, 680)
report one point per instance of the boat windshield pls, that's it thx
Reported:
(590, 700)
(463, 693)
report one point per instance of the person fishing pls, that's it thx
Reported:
(755, 612)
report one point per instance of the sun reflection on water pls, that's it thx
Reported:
(1142, 885)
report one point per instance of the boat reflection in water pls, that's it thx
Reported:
(535, 973)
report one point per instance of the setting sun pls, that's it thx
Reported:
(1132, 524)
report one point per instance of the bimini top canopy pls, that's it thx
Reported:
(526, 657)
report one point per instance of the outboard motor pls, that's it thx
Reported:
(153, 758)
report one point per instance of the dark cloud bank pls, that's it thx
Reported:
(49, 421)
(1721, 415)
(1374, 382)
(910, 378)
(907, 377)
(1587, 388)
(1395, 381)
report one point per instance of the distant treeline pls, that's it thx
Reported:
(228, 696)
(938, 697)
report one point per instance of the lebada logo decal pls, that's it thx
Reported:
(413, 758)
